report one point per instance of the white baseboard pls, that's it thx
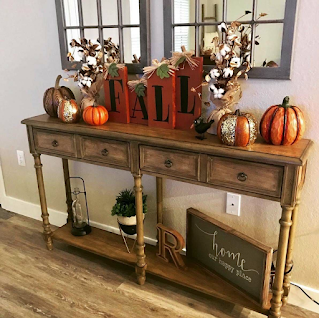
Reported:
(58, 218)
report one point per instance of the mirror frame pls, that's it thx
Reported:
(281, 72)
(133, 68)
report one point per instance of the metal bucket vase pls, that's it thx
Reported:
(224, 106)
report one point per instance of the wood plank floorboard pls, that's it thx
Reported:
(68, 282)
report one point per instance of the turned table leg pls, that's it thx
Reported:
(159, 199)
(67, 183)
(277, 290)
(291, 243)
(140, 246)
(47, 233)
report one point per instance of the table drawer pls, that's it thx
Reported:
(169, 162)
(54, 142)
(105, 150)
(246, 176)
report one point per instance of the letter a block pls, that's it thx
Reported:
(117, 97)
(188, 105)
(161, 101)
(138, 108)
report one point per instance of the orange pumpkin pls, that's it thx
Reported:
(95, 115)
(69, 111)
(237, 129)
(282, 124)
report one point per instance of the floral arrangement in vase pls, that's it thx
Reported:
(231, 54)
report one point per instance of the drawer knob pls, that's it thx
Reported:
(168, 163)
(55, 143)
(242, 176)
(104, 152)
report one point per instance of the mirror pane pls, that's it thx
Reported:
(91, 34)
(275, 9)
(89, 12)
(269, 37)
(184, 36)
(236, 10)
(211, 11)
(131, 40)
(70, 35)
(131, 11)
(109, 12)
(111, 36)
(71, 12)
(184, 11)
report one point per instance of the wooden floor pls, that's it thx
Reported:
(68, 282)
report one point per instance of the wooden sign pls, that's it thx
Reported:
(161, 101)
(188, 105)
(138, 108)
(240, 260)
(117, 97)
(170, 243)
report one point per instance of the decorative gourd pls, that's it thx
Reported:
(237, 129)
(69, 111)
(95, 115)
(282, 124)
(53, 96)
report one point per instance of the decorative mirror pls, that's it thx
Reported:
(194, 23)
(126, 22)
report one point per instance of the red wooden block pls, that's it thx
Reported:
(117, 97)
(138, 108)
(161, 102)
(188, 105)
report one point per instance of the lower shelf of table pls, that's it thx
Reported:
(111, 246)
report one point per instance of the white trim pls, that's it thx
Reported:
(58, 218)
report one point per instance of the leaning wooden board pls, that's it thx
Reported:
(242, 261)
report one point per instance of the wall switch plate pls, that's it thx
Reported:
(21, 158)
(233, 204)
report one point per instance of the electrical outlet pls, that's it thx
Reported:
(233, 204)
(21, 158)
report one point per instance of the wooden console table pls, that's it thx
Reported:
(263, 171)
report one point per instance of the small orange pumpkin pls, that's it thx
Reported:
(282, 124)
(69, 111)
(95, 115)
(237, 129)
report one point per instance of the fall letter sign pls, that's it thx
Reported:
(161, 101)
(117, 96)
(188, 105)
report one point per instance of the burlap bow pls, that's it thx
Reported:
(107, 64)
(184, 56)
(133, 84)
(150, 70)
(91, 94)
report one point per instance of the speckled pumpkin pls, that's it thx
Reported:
(95, 115)
(282, 124)
(69, 111)
(53, 96)
(237, 129)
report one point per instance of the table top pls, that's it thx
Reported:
(296, 154)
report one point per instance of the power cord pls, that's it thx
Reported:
(317, 303)
(273, 268)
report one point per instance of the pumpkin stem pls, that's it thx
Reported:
(57, 81)
(285, 102)
(237, 112)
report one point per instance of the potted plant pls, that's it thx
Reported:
(125, 210)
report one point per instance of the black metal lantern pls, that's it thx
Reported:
(80, 217)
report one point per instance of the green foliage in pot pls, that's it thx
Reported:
(125, 204)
